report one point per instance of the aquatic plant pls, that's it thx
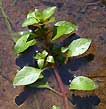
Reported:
(50, 54)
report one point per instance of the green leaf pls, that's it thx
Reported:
(64, 27)
(27, 75)
(17, 35)
(55, 107)
(29, 21)
(41, 58)
(39, 15)
(64, 49)
(22, 43)
(50, 59)
(37, 56)
(50, 20)
(82, 83)
(40, 63)
(48, 12)
(41, 83)
(41, 76)
(44, 53)
(41, 55)
(79, 46)
(31, 14)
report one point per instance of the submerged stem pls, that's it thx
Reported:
(62, 88)
(60, 94)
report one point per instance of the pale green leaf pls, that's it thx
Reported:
(40, 63)
(82, 83)
(27, 75)
(64, 49)
(39, 15)
(64, 27)
(48, 12)
(50, 59)
(31, 14)
(59, 32)
(22, 44)
(55, 107)
(29, 21)
(79, 46)
(44, 53)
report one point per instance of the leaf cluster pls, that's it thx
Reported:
(42, 35)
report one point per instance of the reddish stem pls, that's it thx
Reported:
(62, 87)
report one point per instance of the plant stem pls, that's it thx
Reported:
(62, 88)
(56, 92)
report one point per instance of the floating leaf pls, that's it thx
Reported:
(29, 21)
(79, 46)
(48, 12)
(64, 27)
(50, 59)
(22, 44)
(27, 75)
(82, 83)
(55, 107)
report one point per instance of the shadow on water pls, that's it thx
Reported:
(27, 58)
(24, 95)
(86, 102)
(73, 65)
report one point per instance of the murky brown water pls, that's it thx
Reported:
(90, 15)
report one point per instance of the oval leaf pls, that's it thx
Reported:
(82, 83)
(64, 27)
(79, 46)
(29, 21)
(27, 75)
(22, 44)
(48, 12)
